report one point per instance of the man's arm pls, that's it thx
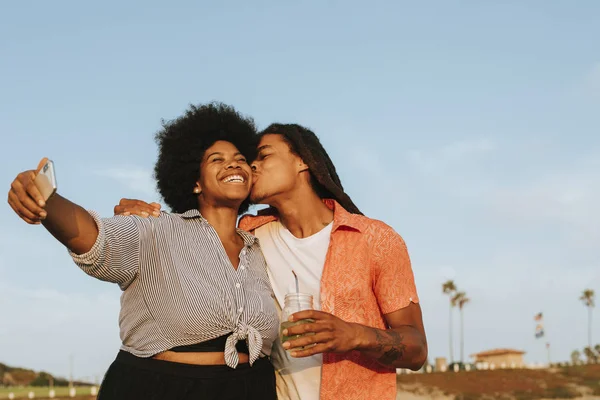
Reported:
(403, 345)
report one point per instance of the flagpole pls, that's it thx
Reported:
(540, 332)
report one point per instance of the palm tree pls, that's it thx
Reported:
(591, 356)
(575, 357)
(460, 299)
(449, 288)
(588, 299)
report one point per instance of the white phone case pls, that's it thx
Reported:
(45, 180)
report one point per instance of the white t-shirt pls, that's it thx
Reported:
(298, 378)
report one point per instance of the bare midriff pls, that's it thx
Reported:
(197, 358)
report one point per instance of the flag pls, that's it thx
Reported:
(539, 331)
(547, 345)
(539, 328)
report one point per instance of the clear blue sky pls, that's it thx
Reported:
(470, 127)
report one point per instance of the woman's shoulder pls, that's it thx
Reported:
(164, 219)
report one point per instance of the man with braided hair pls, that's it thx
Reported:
(367, 316)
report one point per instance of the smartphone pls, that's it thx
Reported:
(45, 180)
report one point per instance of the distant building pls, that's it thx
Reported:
(500, 356)
(440, 364)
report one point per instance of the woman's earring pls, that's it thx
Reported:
(197, 190)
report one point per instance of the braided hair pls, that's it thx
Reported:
(323, 176)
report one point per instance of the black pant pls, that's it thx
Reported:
(132, 378)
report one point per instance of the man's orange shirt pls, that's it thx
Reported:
(367, 274)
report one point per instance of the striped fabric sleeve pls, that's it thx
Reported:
(115, 256)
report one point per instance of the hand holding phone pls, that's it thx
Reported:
(30, 190)
(45, 179)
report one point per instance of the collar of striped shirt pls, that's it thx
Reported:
(248, 238)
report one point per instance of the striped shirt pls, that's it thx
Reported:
(179, 287)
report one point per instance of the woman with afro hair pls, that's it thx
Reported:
(197, 319)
